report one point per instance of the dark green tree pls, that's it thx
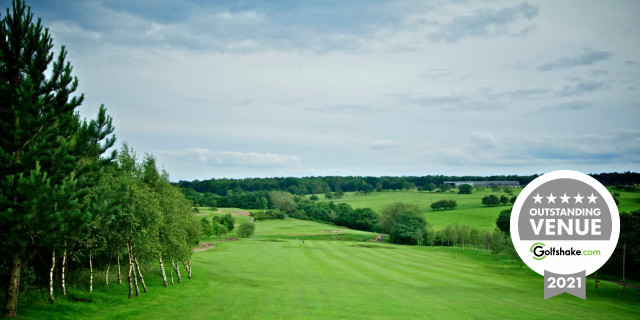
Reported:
(409, 228)
(388, 214)
(465, 189)
(490, 200)
(45, 147)
(503, 222)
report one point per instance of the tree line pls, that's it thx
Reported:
(319, 185)
(66, 202)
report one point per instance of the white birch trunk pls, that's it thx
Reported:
(144, 286)
(171, 274)
(164, 274)
(90, 273)
(106, 274)
(174, 265)
(64, 270)
(188, 268)
(53, 265)
(119, 276)
(129, 278)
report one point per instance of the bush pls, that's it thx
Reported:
(490, 201)
(268, 214)
(465, 189)
(444, 205)
(246, 229)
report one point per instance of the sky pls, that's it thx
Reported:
(241, 89)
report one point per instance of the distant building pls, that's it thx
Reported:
(484, 183)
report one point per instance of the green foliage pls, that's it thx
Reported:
(429, 187)
(504, 200)
(444, 187)
(503, 222)
(389, 213)
(314, 197)
(246, 229)
(465, 189)
(283, 201)
(490, 200)
(444, 205)
(497, 244)
(408, 228)
(207, 230)
(228, 221)
(268, 214)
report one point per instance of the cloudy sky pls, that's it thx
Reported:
(299, 88)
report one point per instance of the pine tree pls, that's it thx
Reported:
(45, 147)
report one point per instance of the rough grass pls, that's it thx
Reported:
(275, 276)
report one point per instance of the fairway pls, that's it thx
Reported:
(275, 276)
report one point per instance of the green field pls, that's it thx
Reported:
(470, 210)
(275, 276)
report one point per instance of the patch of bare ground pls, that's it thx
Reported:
(202, 246)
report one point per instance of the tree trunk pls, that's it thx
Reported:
(164, 275)
(188, 268)
(106, 273)
(13, 291)
(171, 274)
(144, 286)
(119, 276)
(90, 273)
(64, 270)
(135, 276)
(129, 274)
(189, 264)
(53, 265)
(174, 265)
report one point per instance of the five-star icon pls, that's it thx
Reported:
(565, 199)
(578, 198)
(537, 198)
(551, 198)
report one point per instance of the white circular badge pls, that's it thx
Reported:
(565, 222)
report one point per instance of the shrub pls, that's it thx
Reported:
(444, 205)
(246, 229)
(465, 189)
(490, 201)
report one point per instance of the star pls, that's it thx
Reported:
(551, 198)
(578, 198)
(592, 198)
(537, 198)
(565, 198)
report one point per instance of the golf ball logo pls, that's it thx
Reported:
(565, 223)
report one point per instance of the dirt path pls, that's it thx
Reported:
(203, 246)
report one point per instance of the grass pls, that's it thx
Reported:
(470, 210)
(275, 276)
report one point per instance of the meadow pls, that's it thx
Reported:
(470, 211)
(275, 276)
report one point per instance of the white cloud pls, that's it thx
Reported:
(234, 159)
(384, 144)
